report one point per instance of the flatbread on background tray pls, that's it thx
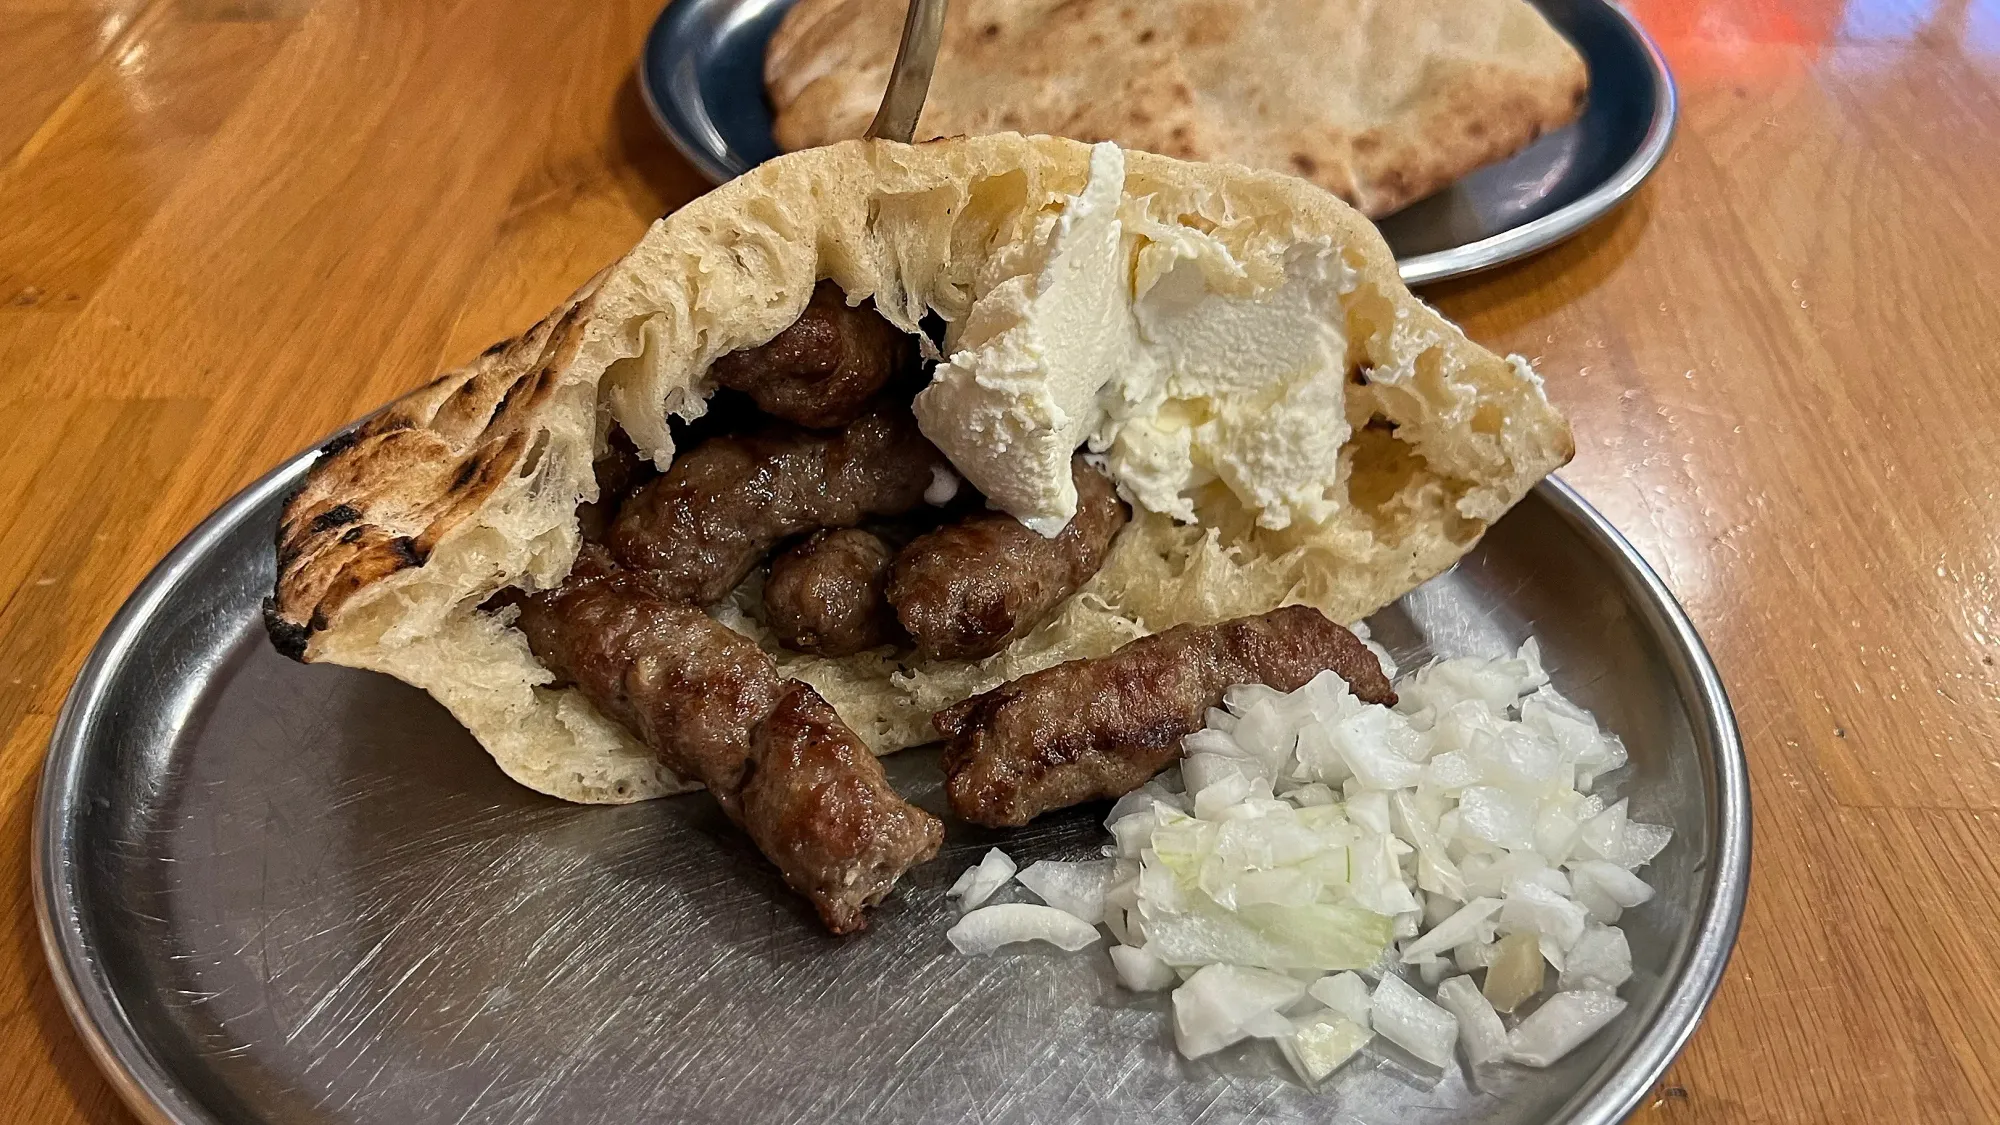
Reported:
(1381, 103)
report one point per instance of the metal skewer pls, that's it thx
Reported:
(910, 75)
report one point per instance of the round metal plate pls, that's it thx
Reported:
(702, 75)
(280, 893)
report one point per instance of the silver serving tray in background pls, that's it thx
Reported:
(279, 893)
(702, 75)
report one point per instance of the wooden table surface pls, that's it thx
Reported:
(227, 226)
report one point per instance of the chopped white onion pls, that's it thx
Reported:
(1320, 1043)
(1475, 955)
(1222, 792)
(1479, 1028)
(1517, 971)
(1076, 888)
(1380, 748)
(1470, 923)
(1370, 811)
(1132, 833)
(1219, 1004)
(1618, 884)
(1142, 799)
(1345, 993)
(1121, 933)
(1266, 733)
(1532, 867)
(1519, 760)
(1563, 1022)
(1405, 1018)
(1312, 796)
(1603, 834)
(1602, 908)
(1557, 829)
(1613, 836)
(1641, 843)
(1139, 970)
(1495, 816)
(1239, 698)
(1497, 684)
(1268, 1025)
(1435, 870)
(1451, 772)
(990, 927)
(1314, 937)
(1532, 907)
(978, 882)
(1221, 743)
(1600, 961)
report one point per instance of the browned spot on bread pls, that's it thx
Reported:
(529, 384)
(1305, 164)
(289, 639)
(407, 547)
(336, 516)
(990, 32)
(1210, 24)
(339, 443)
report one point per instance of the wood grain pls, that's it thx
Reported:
(226, 226)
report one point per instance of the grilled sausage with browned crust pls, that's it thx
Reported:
(826, 595)
(710, 703)
(700, 529)
(819, 805)
(966, 590)
(1101, 728)
(684, 683)
(821, 371)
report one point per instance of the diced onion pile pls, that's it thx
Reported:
(1453, 838)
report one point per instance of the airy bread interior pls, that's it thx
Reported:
(407, 525)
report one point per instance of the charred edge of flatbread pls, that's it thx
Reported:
(381, 495)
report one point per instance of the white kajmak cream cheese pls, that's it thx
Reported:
(1018, 393)
(1147, 341)
(1251, 391)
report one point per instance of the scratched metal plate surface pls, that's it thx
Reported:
(277, 893)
